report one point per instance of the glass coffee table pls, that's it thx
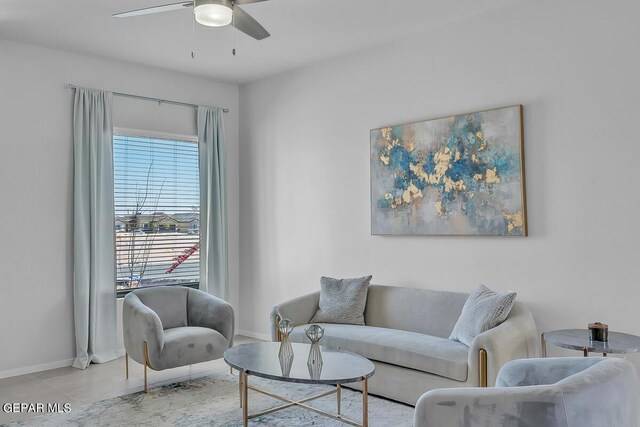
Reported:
(338, 367)
(578, 339)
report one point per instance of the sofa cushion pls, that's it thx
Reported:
(425, 353)
(342, 300)
(191, 344)
(416, 310)
(484, 309)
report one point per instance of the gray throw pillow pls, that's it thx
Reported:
(484, 309)
(342, 300)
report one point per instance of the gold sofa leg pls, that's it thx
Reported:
(278, 335)
(126, 364)
(482, 355)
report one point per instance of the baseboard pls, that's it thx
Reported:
(256, 335)
(121, 352)
(36, 368)
(45, 366)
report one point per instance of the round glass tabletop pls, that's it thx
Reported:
(578, 339)
(261, 359)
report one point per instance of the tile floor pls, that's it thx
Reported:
(98, 382)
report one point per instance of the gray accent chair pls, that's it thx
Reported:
(167, 327)
(406, 336)
(553, 392)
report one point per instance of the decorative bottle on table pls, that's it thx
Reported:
(285, 355)
(285, 326)
(315, 334)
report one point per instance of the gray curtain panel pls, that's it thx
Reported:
(214, 276)
(94, 291)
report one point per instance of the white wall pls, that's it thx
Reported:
(304, 157)
(36, 264)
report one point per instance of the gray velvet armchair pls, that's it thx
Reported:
(549, 392)
(167, 327)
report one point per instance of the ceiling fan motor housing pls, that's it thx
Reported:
(213, 13)
(227, 3)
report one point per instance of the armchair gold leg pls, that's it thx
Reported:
(126, 364)
(240, 379)
(482, 354)
(145, 350)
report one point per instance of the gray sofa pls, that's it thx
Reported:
(406, 336)
(554, 392)
(170, 326)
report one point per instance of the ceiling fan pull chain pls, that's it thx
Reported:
(233, 23)
(193, 36)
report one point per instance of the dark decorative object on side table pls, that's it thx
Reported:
(598, 331)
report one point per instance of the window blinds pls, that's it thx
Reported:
(157, 212)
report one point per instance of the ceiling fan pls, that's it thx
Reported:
(213, 13)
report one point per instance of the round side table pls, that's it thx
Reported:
(578, 339)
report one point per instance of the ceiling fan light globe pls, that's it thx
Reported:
(213, 15)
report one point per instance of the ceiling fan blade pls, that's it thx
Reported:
(241, 2)
(154, 9)
(245, 23)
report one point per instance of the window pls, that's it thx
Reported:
(157, 211)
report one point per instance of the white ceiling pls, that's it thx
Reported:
(302, 31)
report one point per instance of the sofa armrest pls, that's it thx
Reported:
(299, 310)
(140, 324)
(211, 312)
(488, 407)
(515, 338)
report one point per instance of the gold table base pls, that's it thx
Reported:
(244, 403)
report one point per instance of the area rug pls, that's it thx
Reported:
(213, 401)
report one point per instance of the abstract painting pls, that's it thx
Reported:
(459, 175)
